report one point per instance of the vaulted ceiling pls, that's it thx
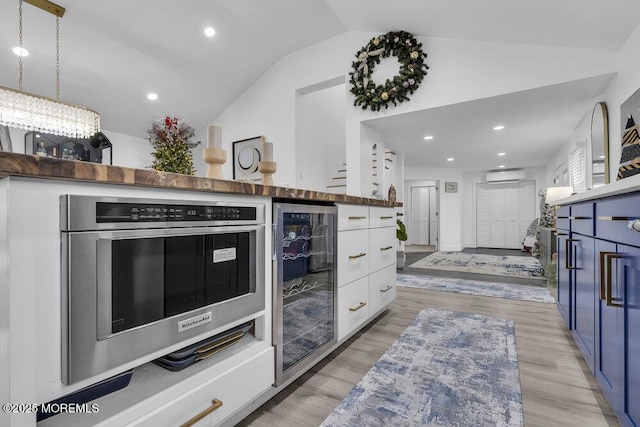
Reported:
(115, 52)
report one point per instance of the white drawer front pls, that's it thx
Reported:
(353, 306)
(382, 247)
(353, 255)
(234, 389)
(382, 288)
(353, 217)
(381, 217)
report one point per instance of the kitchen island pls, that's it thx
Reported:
(32, 312)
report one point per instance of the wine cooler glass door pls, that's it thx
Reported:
(304, 315)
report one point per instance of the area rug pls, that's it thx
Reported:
(516, 266)
(446, 369)
(475, 287)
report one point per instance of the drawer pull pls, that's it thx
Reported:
(580, 217)
(567, 256)
(614, 218)
(356, 256)
(387, 289)
(358, 307)
(215, 404)
(386, 248)
(562, 217)
(386, 217)
(634, 225)
(610, 303)
(357, 217)
(561, 234)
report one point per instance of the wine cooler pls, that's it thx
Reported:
(304, 294)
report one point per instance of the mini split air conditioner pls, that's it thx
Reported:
(508, 175)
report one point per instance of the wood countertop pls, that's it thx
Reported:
(25, 165)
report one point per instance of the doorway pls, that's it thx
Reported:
(423, 225)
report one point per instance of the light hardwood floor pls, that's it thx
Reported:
(557, 387)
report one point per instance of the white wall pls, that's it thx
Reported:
(320, 137)
(460, 70)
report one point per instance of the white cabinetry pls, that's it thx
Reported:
(366, 264)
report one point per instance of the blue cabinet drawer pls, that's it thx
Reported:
(582, 218)
(613, 217)
(562, 218)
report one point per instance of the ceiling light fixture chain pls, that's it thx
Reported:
(58, 58)
(22, 110)
(20, 45)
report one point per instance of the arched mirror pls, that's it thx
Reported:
(599, 146)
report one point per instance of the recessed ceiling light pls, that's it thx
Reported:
(499, 127)
(450, 159)
(152, 96)
(502, 154)
(209, 32)
(502, 166)
(20, 51)
(428, 138)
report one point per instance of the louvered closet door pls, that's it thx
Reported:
(512, 239)
(433, 217)
(483, 216)
(503, 213)
(496, 210)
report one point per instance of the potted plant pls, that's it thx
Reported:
(401, 235)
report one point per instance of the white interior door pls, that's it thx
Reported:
(424, 221)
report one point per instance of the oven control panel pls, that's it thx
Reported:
(110, 212)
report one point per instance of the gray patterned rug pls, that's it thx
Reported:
(446, 369)
(475, 287)
(517, 266)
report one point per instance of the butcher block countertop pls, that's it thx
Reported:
(25, 165)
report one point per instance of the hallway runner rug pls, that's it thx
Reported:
(446, 369)
(516, 266)
(475, 287)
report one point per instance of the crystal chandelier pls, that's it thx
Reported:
(24, 110)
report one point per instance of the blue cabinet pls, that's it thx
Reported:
(564, 278)
(628, 296)
(609, 367)
(585, 292)
(599, 294)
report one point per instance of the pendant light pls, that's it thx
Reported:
(31, 112)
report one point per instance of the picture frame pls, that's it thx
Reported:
(450, 187)
(5, 139)
(247, 153)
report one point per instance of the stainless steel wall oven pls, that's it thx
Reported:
(141, 275)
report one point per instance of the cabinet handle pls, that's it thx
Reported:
(386, 217)
(634, 225)
(386, 248)
(357, 217)
(562, 217)
(614, 218)
(358, 307)
(356, 256)
(561, 234)
(603, 295)
(387, 289)
(580, 217)
(215, 404)
(566, 251)
(610, 303)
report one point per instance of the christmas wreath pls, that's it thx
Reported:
(397, 89)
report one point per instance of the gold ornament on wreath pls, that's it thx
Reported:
(397, 89)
